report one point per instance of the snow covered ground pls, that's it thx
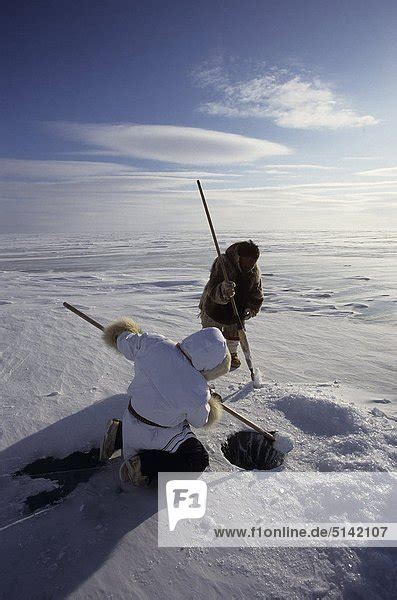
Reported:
(325, 341)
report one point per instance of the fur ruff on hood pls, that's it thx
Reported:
(113, 330)
(216, 411)
(232, 255)
(219, 370)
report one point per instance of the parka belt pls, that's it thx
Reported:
(143, 420)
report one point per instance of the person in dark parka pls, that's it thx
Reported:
(244, 284)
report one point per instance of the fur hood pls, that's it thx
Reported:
(207, 350)
(232, 256)
(216, 410)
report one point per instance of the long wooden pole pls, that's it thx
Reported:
(241, 330)
(240, 417)
(78, 312)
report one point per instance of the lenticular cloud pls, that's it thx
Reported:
(165, 143)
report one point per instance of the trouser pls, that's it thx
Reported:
(190, 457)
(230, 332)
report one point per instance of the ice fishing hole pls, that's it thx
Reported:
(251, 450)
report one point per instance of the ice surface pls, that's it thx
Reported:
(283, 443)
(325, 363)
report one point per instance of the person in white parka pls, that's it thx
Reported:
(169, 393)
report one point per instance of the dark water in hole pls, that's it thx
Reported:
(67, 472)
(250, 450)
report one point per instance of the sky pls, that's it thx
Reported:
(285, 110)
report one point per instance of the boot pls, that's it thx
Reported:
(108, 446)
(235, 362)
(130, 472)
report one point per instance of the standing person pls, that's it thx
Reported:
(243, 284)
(168, 394)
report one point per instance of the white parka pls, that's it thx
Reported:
(168, 388)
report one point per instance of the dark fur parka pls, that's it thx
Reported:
(248, 289)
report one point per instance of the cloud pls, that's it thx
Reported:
(84, 181)
(324, 185)
(59, 170)
(171, 144)
(361, 158)
(299, 166)
(341, 193)
(149, 200)
(47, 171)
(344, 196)
(290, 169)
(380, 172)
(296, 101)
(91, 189)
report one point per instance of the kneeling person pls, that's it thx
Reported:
(168, 394)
